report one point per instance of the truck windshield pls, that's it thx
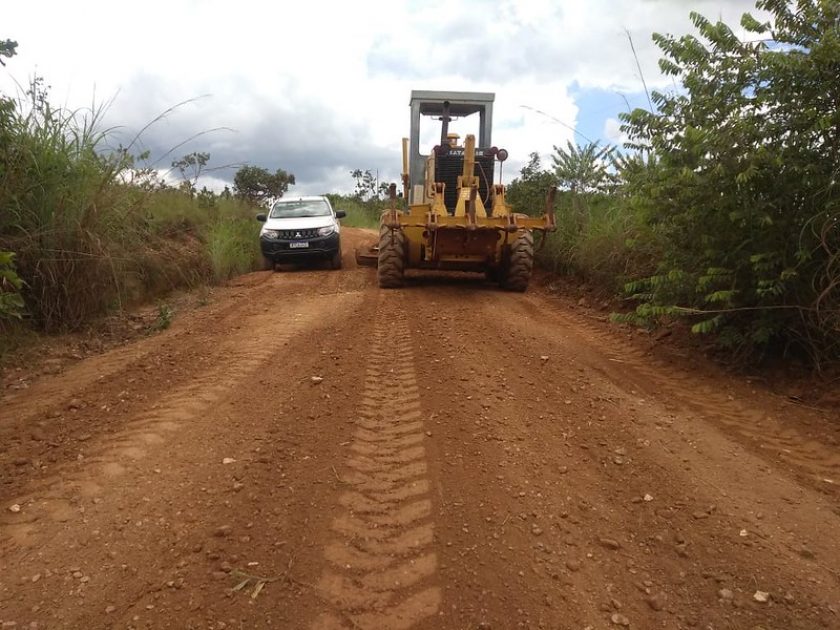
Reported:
(301, 208)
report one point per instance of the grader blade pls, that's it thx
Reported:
(367, 256)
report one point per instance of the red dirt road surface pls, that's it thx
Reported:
(308, 451)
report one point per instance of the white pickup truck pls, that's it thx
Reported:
(302, 228)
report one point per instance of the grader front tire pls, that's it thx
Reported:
(391, 265)
(520, 264)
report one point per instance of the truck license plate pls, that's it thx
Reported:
(299, 245)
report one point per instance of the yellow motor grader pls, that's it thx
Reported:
(456, 217)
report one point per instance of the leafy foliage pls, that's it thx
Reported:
(599, 237)
(527, 193)
(190, 167)
(583, 169)
(8, 48)
(62, 207)
(368, 186)
(258, 185)
(364, 214)
(11, 302)
(232, 244)
(741, 180)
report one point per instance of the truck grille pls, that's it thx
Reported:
(296, 235)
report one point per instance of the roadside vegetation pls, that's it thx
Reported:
(723, 207)
(86, 229)
(361, 213)
(367, 202)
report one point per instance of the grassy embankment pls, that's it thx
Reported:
(88, 231)
(361, 214)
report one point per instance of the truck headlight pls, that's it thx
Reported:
(326, 231)
(270, 234)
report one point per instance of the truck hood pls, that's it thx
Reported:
(299, 223)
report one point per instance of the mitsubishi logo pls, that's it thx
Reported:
(298, 235)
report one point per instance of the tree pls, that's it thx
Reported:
(257, 185)
(527, 193)
(384, 191)
(583, 170)
(190, 167)
(8, 49)
(743, 184)
(366, 184)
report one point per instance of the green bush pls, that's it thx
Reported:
(599, 239)
(740, 181)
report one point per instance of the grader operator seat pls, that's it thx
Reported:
(449, 159)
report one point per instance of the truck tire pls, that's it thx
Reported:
(267, 264)
(335, 261)
(391, 266)
(520, 264)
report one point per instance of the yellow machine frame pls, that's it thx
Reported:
(469, 239)
(469, 236)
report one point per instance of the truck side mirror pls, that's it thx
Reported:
(261, 217)
(340, 214)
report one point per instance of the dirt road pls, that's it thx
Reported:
(307, 451)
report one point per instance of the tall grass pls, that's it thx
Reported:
(85, 240)
(362, 214)
(232, 245)
(599, 238)
(63, 213)
(227, 227)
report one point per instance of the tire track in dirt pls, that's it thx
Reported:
(110, 456)
(91, 374)
(45, 393)
(381, 564)
(41, 426)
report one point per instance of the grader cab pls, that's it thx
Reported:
(456, 216)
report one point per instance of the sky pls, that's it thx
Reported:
(320, 88)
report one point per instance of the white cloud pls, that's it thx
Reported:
(613, 132)
(321, 87)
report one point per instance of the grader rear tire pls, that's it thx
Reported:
(520, 264)
(391, 266)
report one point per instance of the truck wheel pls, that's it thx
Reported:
(520, 264)
(391, 265)
(267, 264)
(335, 261)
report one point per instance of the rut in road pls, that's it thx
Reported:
(112, 455)
(381, 567)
